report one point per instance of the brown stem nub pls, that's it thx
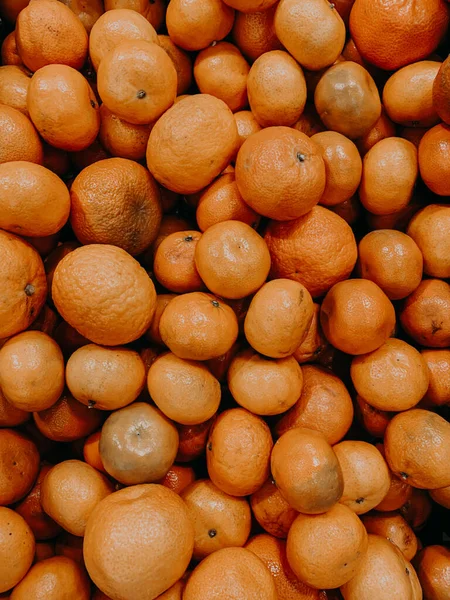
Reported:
(215, 303)
(141, 94)
(29, 289)
(301, 157)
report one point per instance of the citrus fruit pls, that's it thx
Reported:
(88, 15)
(329, 568)
(263, 386)
(408, 95)
(220, 520)
(433, 570)
(31, 371)
(434, 150)
(10, 416)
(426, 229)
(14, 82)
(311, 30)
(137, 81)
(48, 33)
(272, 552)
(243, 577)
(178, 477)
(181, 61)
(57, 96)
(33, 200)
(107, 378)
(132, 562)
(381, 557)
(323, 405)
(128, 301)
(17, 547)
(174, 263)
(184, 390)
(278, 318)
(392, 260)
(314, 342)
(394, 158)
(365, 473)
(280, 173)
(222, 201)
(343, 167)
(122, 139)
(424, 314)
(399, 491)
(347, 99)
(19, 138)
(232, 259)
(394, 377)
(440, 91)
(238, 452)
(138, 444)
(116, 26)
(300, 250)
(67, 420)
(393, 527)
(271, 510)
(438, 363)
(356, 316)
(9, 53)
(194, 25)
(116, 201)
(383, 128)
(276, 89)
(91, 452)
(23, 282)
(417, 450)
(206, 126)
(19, 461)
(56, 578)
(193, 440)
(306, 471)
(57, 494)
(198, 326)
(372, 26)
(221, 71)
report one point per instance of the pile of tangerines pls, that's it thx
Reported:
(224, 299)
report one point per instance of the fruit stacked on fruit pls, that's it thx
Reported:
(224, 300)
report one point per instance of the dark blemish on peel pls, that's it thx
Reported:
(435, 327)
